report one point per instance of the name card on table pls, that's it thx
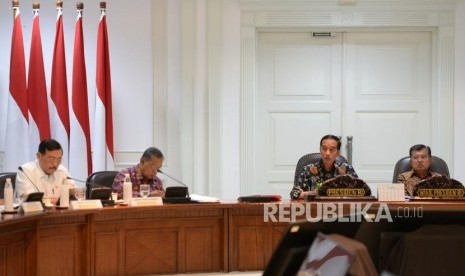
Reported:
(86, 204)
(345, 192)
(438, 192)
(33, 207)
(391, 192)
(148, 201)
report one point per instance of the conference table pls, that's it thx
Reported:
(172, 238)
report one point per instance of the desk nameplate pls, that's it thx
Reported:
(86, 204)
(149, 201)
(440, 193)
(345, 192)
(33, 207)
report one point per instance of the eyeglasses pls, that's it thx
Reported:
(54, 160)
(417, 158)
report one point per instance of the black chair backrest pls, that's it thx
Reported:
(102, 178)
(309, 159)
(3, 177)
(403, 165)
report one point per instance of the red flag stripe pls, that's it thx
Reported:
(18, 88)
(104, 80)
(79, 85)
(59, 86)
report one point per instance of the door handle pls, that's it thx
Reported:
(349, 149)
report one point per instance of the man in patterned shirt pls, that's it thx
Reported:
(328, 167)
(420, 159)
(145, 172)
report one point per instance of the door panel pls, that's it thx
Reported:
(387, 98)
(299, 80)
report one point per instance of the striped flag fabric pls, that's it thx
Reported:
(103, 158)
(80, 159)
(17, 128)
(39, 120)
(59, 108)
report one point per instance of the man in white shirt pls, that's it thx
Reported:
(45, 174)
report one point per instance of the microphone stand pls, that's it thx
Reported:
(25, 174)
(186, 196)
(96, 191)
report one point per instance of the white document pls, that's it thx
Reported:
(200, 198)
(391, 192)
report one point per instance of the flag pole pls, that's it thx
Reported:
(80, 142)
(59, 115)
(39, 118)
(103, 154)
(15, 6)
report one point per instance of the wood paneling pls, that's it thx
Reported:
(162, 239)
(252, 240)
(62, 243)
(155, 240)
(12, 258)
(106, 253)
(148, 251)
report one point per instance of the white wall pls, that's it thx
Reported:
(231, 100)
(459, 120)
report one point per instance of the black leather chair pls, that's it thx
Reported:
(403, 165)
(100, 178)
(309, 159)
(3, 177)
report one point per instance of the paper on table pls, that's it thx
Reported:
(391, 192)
(201, 198)
(2, 207)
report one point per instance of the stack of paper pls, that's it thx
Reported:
(201, 198)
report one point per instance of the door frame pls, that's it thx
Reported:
(442, 94)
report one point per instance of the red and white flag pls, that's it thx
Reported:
(39, 120)
(17, 129)
(59, 110)
(103, 124)
(80, 159)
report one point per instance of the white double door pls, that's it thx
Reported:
(373, 86)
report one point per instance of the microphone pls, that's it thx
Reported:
(341, 172)
(179, 181)
(86, 182)
(176, 192)
(21, 169)
(96, 191)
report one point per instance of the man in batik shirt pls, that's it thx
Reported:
(145, 172)
(328, 167)
(420, 159)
